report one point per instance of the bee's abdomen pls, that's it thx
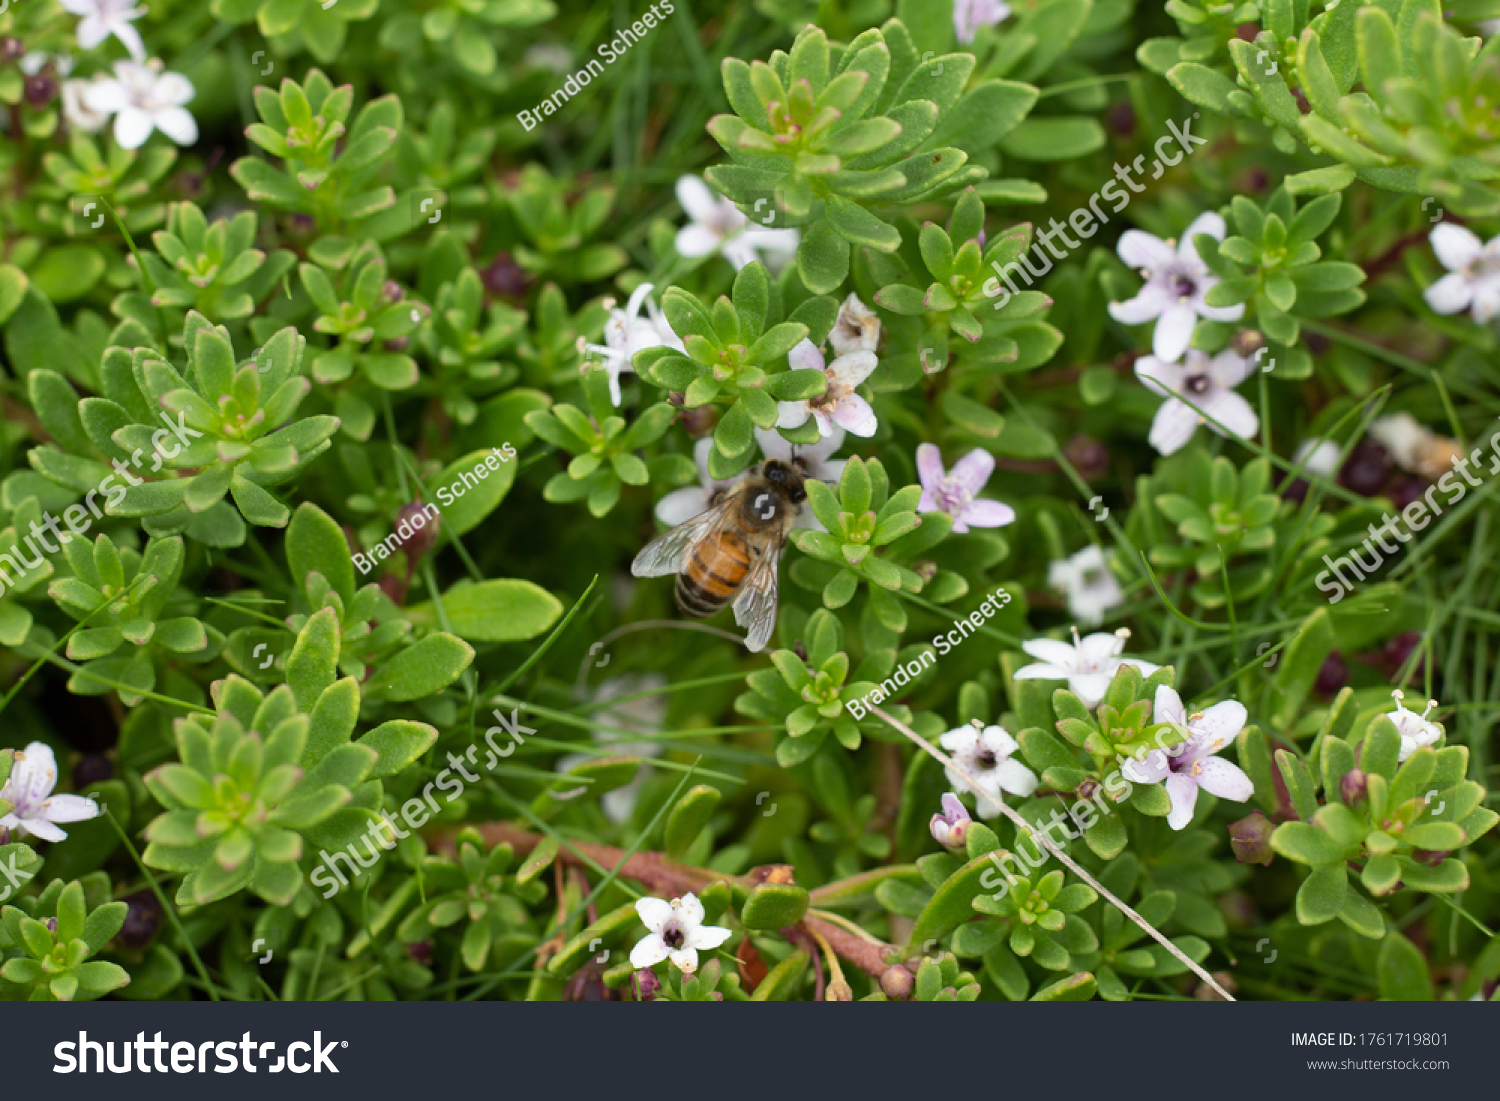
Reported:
(713, 574)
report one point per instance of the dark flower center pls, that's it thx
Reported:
(1196, 384)
(1183, 287)
(985, 758)
(672, 937)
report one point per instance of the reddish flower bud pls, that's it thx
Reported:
(416, 529)
(897, 982)
(1250, 838)
(1353, 788)
(646, 985)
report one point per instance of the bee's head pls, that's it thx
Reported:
(788, 477)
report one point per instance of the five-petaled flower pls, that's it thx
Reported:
(677, 932)
(856, 329)
(1176, 282)
(1191, 765)
(985, 754)
(627, 332)
(102, 18)
(143, 98)
(34, 808)
(1198, 392)
(956, 491)
(970, 15)
(718, 226)
(1473, 279)
(1416, 730)
(838, 406)
(1088, 664)
(1092, 591)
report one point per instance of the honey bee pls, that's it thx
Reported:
(733, 550)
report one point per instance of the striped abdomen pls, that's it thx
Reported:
(713, 573)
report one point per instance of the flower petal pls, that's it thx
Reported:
(1146, 306)
(959, 741)
(1184, 795)
(648, 952)
(1167, 706)
(1234, 416)
(132, 128)
(930, 467)
(985, 513)
(1229, 368)
(1228, 781)
(681, 505)
(1207, 222)
(177, 123)
(1158, 377)
(1217, 727)
(1061, 654)
(852, 368)
(70, 808)
(697, 201)
(855, 414)
(1172, 427)
(1142, 250)
(1016, 778)
(805, 356)
(43, 829)
(1450, 294)
(973, 470)
(691, 908)
(791, 414)
(654, 913)
(1089, 687)
(696, 240)
(1174, 331)
(710, 936)
(685, 960)
(1454, 246)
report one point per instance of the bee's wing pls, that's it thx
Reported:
(755, 606)
(666, 553)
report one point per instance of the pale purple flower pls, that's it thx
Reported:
(1088, 664)
(839, 406)
(1191, 765)
(1198, 392)
(956, 492)
(102, 18)
(677, 932)
(985, 753)
(35, 809)
(718, 226)
(1176, 282)
(627, 332)
(970, 15)
(1416, 730)
(1092, 590)
(856, 329)
(143, 98)
(812, 460)
(1473, 279)
(951, 828)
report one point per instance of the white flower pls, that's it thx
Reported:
(970, 15)
(102, 18)
(839, 406)
(1415, 730)
(1192, 764)
(1197, 391)
(1404, 437)
(1321, 456)
(1473, 279)
(35, 809)
(143, 98)
(955, 492)
(718, 226)
(1090, 587)
(76, 113)
(627, 332)
(812, 460)
(856, 329)
(641, 716)
(677, 932)
(1176, 283)
(986, 755)
(1088, 665)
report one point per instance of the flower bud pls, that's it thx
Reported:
(1088, 456)
(646, 986)
(1430, 858)
(950, 829)
(40, 90)
(897, 983)
(143, 914)
(421, 525)
(1246, 342)
(925, 568)
(91, 769)
(1333, 674)
(1250, 838)
(504, 278)
(420, 951)
(1352, 788)
(396, 344)
(393, 291)
(11, 49)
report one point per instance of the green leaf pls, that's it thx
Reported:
(498, 610)
(1321, 895)
(470, 489)
(420, 670)
(774, 906)
(688, 818)
(1402, 971)
(399, 743)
